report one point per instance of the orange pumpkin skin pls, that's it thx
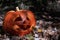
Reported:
(19, 22)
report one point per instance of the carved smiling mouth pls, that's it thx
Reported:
(22, 27)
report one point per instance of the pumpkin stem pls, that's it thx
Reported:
(17, 8)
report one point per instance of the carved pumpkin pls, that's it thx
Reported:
(19, 22)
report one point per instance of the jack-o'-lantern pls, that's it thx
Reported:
(19, 22)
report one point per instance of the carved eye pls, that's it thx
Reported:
(18, 19)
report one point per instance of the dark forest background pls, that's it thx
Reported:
(48, 8)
